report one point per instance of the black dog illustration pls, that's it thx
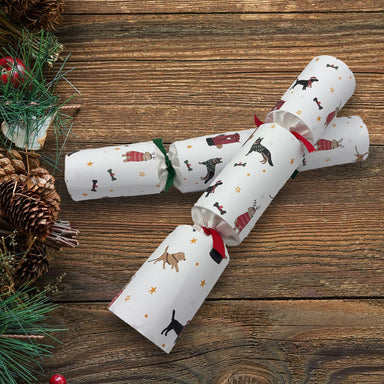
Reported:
(258, 147)
(212, 188)
(174, 325)
(305, 83)
(211, 166)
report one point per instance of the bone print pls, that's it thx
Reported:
(332, 66)
(316, 100)
(240, 164)
(220, 208)
(111, 174)
(189, 166)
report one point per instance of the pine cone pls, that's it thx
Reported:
(25, 210)
(40, 181)
(11, 166)
(35, 15)
(30, 215)
(32, 264)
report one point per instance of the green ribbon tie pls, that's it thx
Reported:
(171, 170)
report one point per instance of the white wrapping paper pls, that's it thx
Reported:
(237, 197)
(315, 97)
(345, 140)
(124, 170)
(197, 161)
(166, 292)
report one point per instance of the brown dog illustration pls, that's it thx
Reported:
(170, 258)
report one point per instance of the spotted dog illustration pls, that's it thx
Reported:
(136, 156)
(212, 188)
(170, 258)
(258, 147)
(174, 325)
(211, 167)
(305, 83)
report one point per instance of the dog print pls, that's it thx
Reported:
(211, 167)
(174, 325)
(212, 188)
(170, 258)
(258, 147)
(305, 83)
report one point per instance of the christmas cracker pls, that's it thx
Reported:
(141, 168)
(168, 289)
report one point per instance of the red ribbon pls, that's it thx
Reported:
(307, 144)
(258, 122)
(218, 243)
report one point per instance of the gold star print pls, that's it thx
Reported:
(193, 241)
(127, 298)
(202, 283)
(189, 146)
(142, 174)
(238, 189)
(273, 126)
(318, 118)
(317, 59)
(298, 112)
(85, 194)
(152, 290)
(185, 178)
(332, 89)
(248, 174)
(328, 159)
(111, 190)
(339, 78)
(333, 125)
(292, 161)
(117, 149)
(89, 163)
(158, 185)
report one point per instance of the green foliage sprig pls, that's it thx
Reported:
(22, 333)
(36, 100)
(12, 33)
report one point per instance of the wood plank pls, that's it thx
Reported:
(124, 102)
(217, 6)
(264, 342)
(277, 41)
(322, 236)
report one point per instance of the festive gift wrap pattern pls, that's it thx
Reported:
(166, 292)
(315, 97)
(197, 161)
(345, 140)
(124, 170)
(237, 197)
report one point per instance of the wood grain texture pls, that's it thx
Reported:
(275, 42)
(217, 6)
(302, 298)
(230, 341)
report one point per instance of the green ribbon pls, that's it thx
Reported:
(171, 170)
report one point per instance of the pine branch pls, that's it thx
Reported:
(22, 330)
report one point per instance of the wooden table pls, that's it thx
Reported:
(302, 299)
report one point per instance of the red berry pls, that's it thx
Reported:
(57, 379)
(11, 69)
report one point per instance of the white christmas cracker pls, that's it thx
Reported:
(228, 209)
(139, 169)
(273, 153)
(166, 292)
(314, 98)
